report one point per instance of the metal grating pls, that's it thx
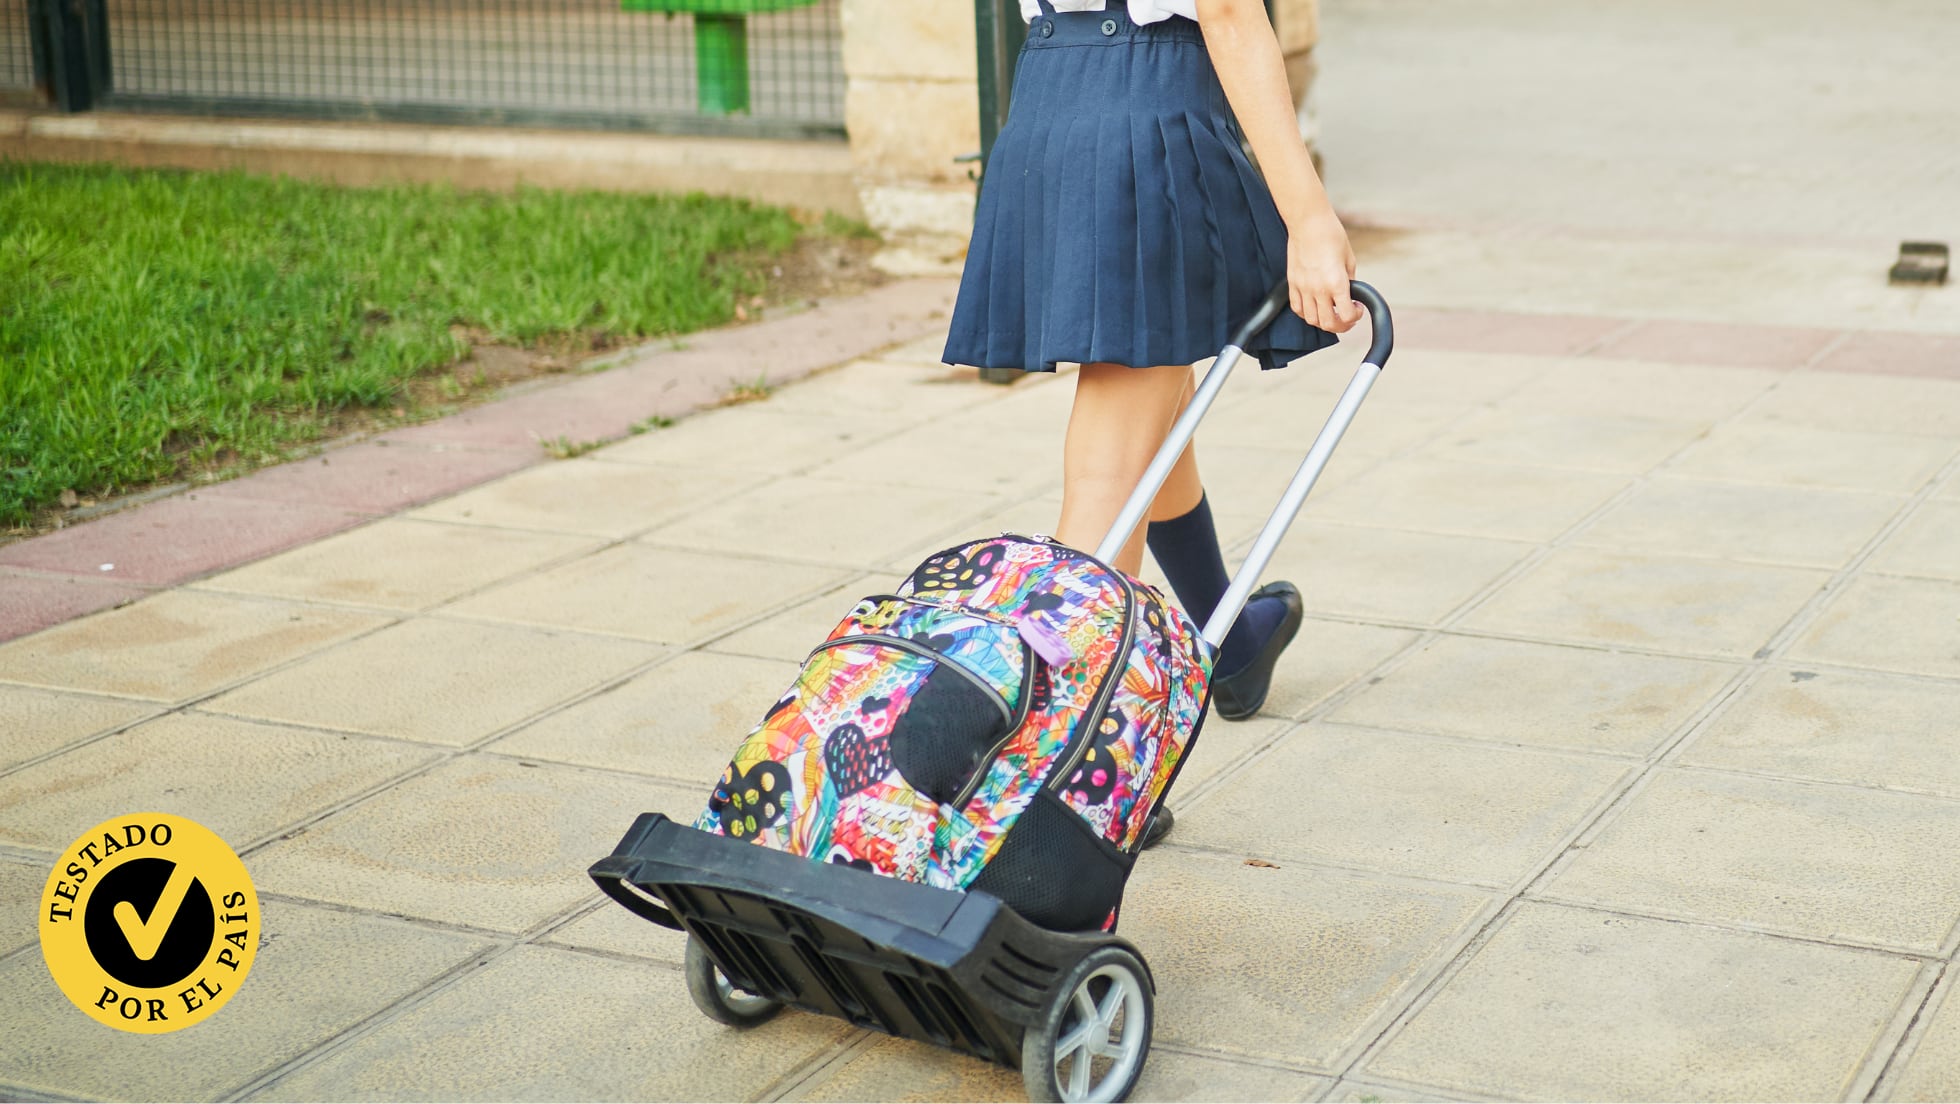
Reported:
(581, 63)
(16, 51)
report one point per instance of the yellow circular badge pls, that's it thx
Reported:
(149, 922)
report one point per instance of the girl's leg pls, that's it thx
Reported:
(1120, 417)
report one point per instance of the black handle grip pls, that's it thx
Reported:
(1280, 298)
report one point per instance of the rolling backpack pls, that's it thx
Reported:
(1007, 721)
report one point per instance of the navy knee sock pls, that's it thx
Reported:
(1187, 549)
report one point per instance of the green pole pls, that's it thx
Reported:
(721, 59)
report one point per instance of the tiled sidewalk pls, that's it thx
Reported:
(1617, 758)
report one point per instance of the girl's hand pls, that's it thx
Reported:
(1319, 267)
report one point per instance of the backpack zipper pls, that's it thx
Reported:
(1085, 733)
(906, 644)
(972, 786)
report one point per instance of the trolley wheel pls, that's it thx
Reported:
(1094, 1033)
(716, 998)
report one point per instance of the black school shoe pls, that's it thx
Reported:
(1159, 825)
(1240, 695)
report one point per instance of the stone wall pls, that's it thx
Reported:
(912, 108)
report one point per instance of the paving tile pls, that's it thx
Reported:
(1457, 377)
(32, 601)
(318, 972)
(647, 593)
(1932, 1071)
(614, 930)
(1830, 726)
(480, 841)
(440, 681)
(1894, 624)
(591, 497)
(177, 538)
(898, 1069)
(1680, 605)
(950, 453)
(1726, 343)
(1403, 804)
(1927, 545)
(869, 389)
(1642, 389)
(1538, 695)
(1228, 983)
(240, 780)
(1290, 419)
(1932, 355)
(682, 720)
(752, 437)
(824, 520)
(398, 564)
(1589, 442)
(1501, 501)
(1864, 404)
(1763, 451)
(1799, 526)
(791, 634)
(1353, 1091)
(1039, 405)
(175, 645)
(543, 1023)
(1174, 1075)
(1388, 574)
(21, 885)
(1823, 862)
(1249, 480)
(1500, 332)
(1569, 1005)
(1025, 516)
(40, 721)
(921, 351)
(886, 1068)
(1221, 745)
(375, 477)
(1326, 656)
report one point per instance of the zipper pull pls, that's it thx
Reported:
(1046, 642)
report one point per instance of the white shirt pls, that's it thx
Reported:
(1141, 11)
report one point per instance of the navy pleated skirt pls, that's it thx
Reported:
(1119, 221)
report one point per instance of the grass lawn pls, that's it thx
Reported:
(155, 323)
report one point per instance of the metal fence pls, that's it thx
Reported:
(739, 66)
(16, 50)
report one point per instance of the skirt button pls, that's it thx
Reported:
(1048, 28)
(1109, 27)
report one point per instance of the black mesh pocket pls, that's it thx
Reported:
(947, 734)
(1054, 869)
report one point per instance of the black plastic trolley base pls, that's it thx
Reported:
(960, 970)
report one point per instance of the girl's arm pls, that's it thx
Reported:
(1319, 260)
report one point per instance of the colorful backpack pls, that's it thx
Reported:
(1006, 722)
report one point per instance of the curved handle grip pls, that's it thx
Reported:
(1280, 297)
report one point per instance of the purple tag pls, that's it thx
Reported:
(1046, 642)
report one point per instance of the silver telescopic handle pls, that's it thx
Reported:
(1186, 427)
(1322, 451)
